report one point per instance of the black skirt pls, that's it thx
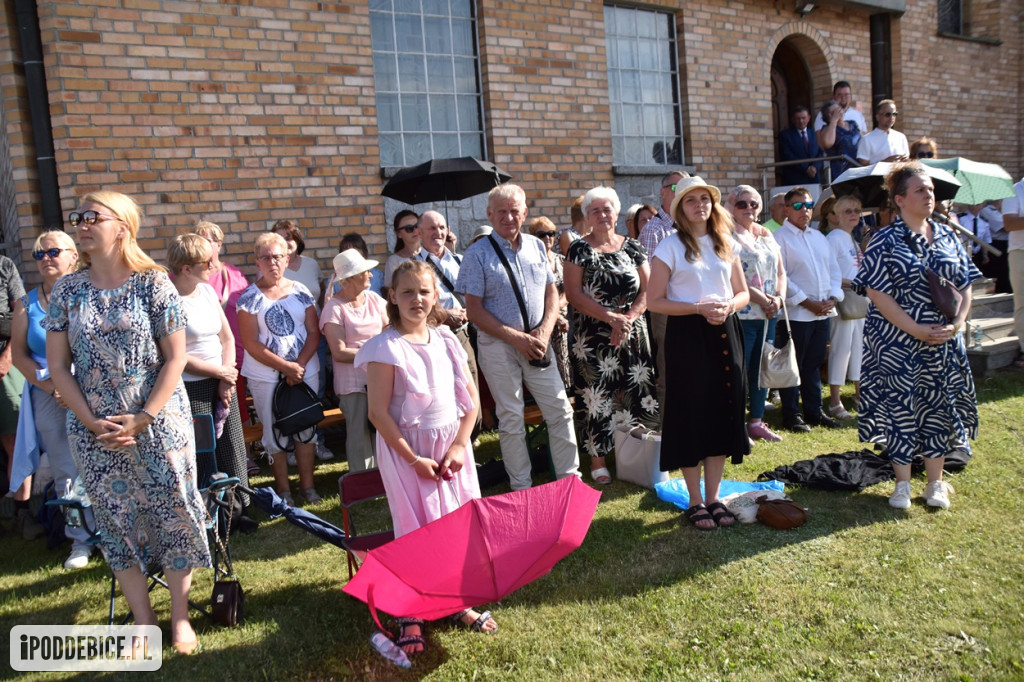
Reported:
(231, 444)
(705, 394)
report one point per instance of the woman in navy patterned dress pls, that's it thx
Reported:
(917, 393)
(120, 322)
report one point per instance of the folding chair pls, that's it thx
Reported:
(357, 487)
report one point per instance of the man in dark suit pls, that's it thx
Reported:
(799, 142)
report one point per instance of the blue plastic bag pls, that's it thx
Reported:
(674, 490)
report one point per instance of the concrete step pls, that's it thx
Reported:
(985, 285)
(993, 355)
(992, 328)
(991, 305)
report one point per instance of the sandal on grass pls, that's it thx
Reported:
(601, 475)
(478, 624)
(721, 514)
(404, 639)
(698, 514)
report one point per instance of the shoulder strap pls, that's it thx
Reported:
(444, 278)
(514, 282)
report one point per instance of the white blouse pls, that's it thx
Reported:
(709, 278)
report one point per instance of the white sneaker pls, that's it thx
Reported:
(291, 459)
(936, 494)
(901, 497)
(323, 452)
(79, 559)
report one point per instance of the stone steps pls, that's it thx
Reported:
(992, 314)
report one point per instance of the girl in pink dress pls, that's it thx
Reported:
(413, 371)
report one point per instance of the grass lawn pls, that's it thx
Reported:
(862, 591)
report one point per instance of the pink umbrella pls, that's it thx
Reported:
(483, 551)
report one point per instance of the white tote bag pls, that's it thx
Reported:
(778, 365)
(638, 456)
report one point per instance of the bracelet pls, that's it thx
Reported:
(413, 463)
(148, 413)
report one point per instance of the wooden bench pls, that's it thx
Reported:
(254, 432)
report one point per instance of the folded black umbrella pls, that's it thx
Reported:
(444, 180)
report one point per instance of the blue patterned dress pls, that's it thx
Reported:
(918, 399)
(148, 509)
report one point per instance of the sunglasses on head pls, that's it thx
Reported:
(89, 217)
(926, 155)
(52, 253)
(545, 234)
(407, 228)
(743, 205)
(800, 205)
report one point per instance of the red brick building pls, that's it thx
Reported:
(248, 111)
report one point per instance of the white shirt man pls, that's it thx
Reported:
(813, 285)
(842, 94)
(883, 143)
(513, 351)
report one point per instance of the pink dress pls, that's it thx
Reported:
(427, 376)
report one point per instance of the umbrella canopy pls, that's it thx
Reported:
(868, 182)
(481, 552)
(269, 501)
(444, 180)
(979, 182)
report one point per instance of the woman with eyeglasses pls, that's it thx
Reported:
(838, 136)
(543, 229)
(120, 322)
(766, 281)
(280, 333)
(606, 283)
(41, 421)
(210, 376)
(407, 244)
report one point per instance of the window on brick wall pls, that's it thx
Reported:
(427, 81)
(643, 87)
(951, 17)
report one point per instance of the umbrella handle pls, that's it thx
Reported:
(373, 611)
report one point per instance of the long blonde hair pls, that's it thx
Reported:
(124, 207)
(720, 226)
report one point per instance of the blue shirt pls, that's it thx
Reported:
(482, 274)
(449, 264)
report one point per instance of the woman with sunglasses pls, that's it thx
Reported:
(43, 413)
(407, 244)
(210, 376)
(280, 333)
(924, 148)
(543, 229)
(766, 281)
(120, 322)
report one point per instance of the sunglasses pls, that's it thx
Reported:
(800, 205)
(891, 114)
(89, 217)
(207, 264)
(743, 205)
(926, 155)
(545, 234)
(671, 187)
(408, 229)
(52, 253)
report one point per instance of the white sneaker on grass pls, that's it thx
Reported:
(79, 559)
(936, 494)
(901, 496)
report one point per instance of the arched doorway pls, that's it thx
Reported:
(799, 76)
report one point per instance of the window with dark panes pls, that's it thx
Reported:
(426, 76)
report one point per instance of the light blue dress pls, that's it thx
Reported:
(148, 508)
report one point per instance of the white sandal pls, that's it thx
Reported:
(601, 476)
(839, 412)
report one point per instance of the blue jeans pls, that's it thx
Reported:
(753, 338)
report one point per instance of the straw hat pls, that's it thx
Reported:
(686, 185)
(350, 262)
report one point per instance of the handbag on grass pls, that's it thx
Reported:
(778, 365)
(227, 602)
(638, 456)
(853, 306)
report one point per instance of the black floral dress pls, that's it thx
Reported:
(616, 382)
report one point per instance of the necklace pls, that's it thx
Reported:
(45, 295)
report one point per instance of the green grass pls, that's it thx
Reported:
(862, 591)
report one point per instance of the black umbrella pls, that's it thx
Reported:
(444, 180)
(868, 182)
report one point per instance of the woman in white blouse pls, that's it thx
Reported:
(846, 337)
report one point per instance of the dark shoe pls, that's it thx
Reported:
(796, 423)
(721, 514)
(824, 420)
(699, 514)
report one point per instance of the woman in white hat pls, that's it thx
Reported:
(697, 281)
(351, 317)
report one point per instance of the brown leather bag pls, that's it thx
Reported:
(781, 514)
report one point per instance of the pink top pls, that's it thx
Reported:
(229, 284)
(358, 325)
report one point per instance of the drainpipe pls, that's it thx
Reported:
(39, 112)
(881, 60)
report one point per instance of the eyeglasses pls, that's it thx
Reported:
(891, 114)
(52, 253)
(800, 205)
(743, 205)
(272, 258)
(545, 234)
(89, 217)
(408, 229)
(926, 155)
(207, 264)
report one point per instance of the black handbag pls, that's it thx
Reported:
(227, 602)
(296, 409)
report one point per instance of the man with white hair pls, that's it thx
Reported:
(511, 298)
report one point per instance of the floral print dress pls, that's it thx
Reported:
(148, 508)
(616, 382)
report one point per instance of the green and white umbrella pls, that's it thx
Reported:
(979, 182)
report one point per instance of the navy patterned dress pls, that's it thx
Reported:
(917, 399)
(616, 382)
(148, 509)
